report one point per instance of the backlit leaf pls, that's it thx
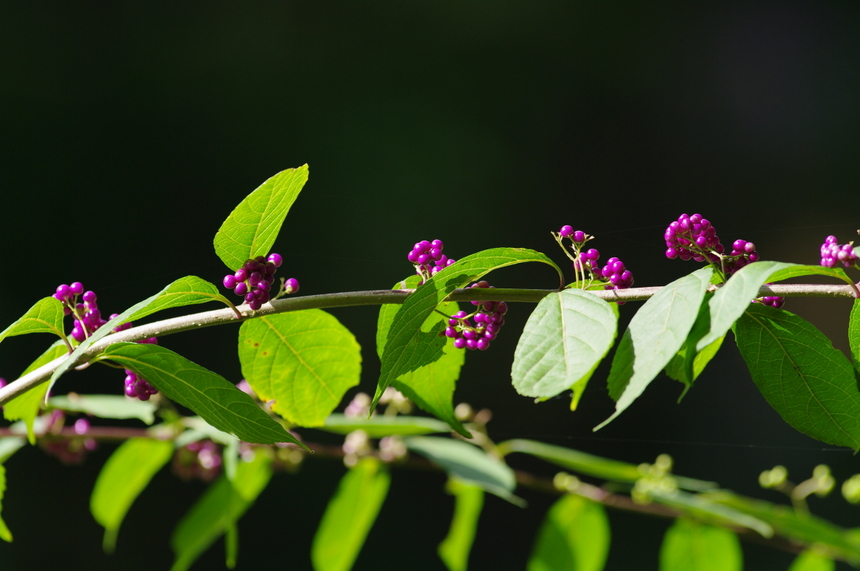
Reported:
(796, 271)
(691, 546)
(44, 317)
(854, 334)
(5, 534)
(106, 406)
(468, 501)
(189, 290)
(810, 560)
(574, 535)
(379, 426)
(26, 407)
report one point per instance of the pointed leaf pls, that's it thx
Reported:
(44, 317)
(657, 331)
(796, 271)
(565, 338)
(189, 290)
(304, 361)
(106, 406)
(5, 534)
(26, 407)
(380, 426)
(810, 560)
(349, 516)
(9, 445)
(468, 501)
(801, 375)
(574, 535)
(219, 509)
(688, 363)
(408, 347)
(123, 477)
(253, 226)
(691, 546)
(215, 399)
(854, 334)
(432, 386)
(467, 462)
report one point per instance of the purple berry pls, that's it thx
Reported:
(566, 231)
(291, 285)
(276, 259)
(76, 288)
(229, 281)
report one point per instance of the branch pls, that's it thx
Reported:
(370, 297)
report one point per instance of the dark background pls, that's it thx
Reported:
(130, 131)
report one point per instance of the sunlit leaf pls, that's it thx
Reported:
(468, 501)
(106, 406)
(565, 338)
(854, 334)
(123, 477)
(688, 363)
(380, 426)
(9, 445)
(811, 560)
(27, 406)
(215, 399)
(574, 535)
(304, 361)
(349, 516)
(253, 226)
(5, 533)
(802, 376)
(796, 271)
(691, 546)
(431, 387)
(189, 290)
(655, 334)
(44, 317)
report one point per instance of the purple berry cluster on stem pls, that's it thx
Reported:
(585, 261)
(253, 281)
(428, 258)
(692, 238)
(476, 330)
(742, 254)
(833, 253)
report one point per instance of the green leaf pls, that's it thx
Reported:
(704, 509)
(854, 334)
(5, 533)
(688, 363)
(44, 317)
(189, 290)
(796, 271)
(468, 463)
(253, 226)
(468, 501)
(106, 406)
(574, 535)
(811, 560)
(209, 395)
(432, 386)
(304, 361)
(349, 516)
(565, 338)
(691, 546)
(123, 477)
(380, 426)
(9, 445)
(657, 331)
(219, 509)
(26, 406)
(802, 376)
(408, 347)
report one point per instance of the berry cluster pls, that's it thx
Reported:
(68, 450)
(742, 253)
(198, 460)
(253, 281)
(488, 320)
(137, 387)
(833, 253)
(613, 273)
(771, 300)
(692, 237)
(425, 253)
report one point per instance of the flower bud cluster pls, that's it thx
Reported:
(476, 330)
(253, 281)
(833, 253)
(428, 258)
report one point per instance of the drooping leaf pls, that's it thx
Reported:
(691, 546)
(796, 271)
(380, 426)
(5, 533)
(854, 334)
(349, 516)
(565, 338)
(655, 334)
(688, 362)
(211, 396)
(408, 347)
(469, 463)
(26, 407)
(811, 560)
(218, 509)
(189, 290)
(253, 226)
(123, 477)
(802, 376)
(468, 501)
(9, 445)
(106, 406)
(574, 535)
(304, 361)
(46, 316)
(432, 386)
(703, 508)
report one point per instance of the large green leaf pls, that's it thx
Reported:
(574, 535)
(26, 407)
(802, 376)
(5, 533)
(218, 510)
(655, 334)
(565, 338)
(304, 361)
(123, 477)
(854, 334)
(691, 546)
(796, 271)
(468, 501)
(688, 363)
(253, 226)
(189, 290)
(380, 426)
(349, 516)
(432, 386)
(407, 346)
(211, 396)
(44, 317)
(467, 462)
(811, 560)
